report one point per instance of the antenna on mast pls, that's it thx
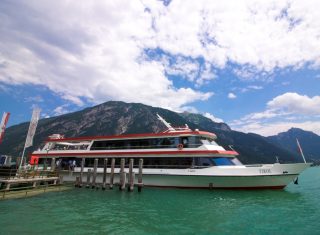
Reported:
(300, 150)
(170, 128)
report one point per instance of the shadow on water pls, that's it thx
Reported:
(294, 210)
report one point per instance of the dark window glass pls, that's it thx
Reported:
(222, 161)
(153, 143)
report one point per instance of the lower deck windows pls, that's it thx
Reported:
(149, 162)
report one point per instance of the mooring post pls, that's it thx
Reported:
(53, 164)
(113, 161)
(105, 164)
(60, 179)
(45, 164)
(81, 172)
(131, 176)
(77, 183)
(88, 178)
(140, 175)
(122, 174)
(95, 167)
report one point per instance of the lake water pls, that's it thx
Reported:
(295, 210)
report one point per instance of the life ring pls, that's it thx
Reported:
(180, 146)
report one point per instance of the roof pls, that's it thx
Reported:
(136, 136)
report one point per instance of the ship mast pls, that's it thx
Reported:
(173, 129)
(168, 125)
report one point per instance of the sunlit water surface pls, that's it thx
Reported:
(295, 210)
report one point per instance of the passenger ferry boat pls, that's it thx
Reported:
(178, 157)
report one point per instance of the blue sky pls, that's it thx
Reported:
(252, 64)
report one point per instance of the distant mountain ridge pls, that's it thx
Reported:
(115, 118)
(309, 141)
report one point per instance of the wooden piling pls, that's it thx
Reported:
(81, 172)
(77, 183)
(122, 175)
(95, 167)
(45, 164)
(131, 176)
(113, 161)
(88, 178)
(140, 184)
(53, 164)
(105, 164)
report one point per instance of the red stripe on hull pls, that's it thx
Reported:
(224, 188)
(178, 152)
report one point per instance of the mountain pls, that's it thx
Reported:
(253, 148)
(114, 118)
(309, 141)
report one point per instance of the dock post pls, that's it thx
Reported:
(105, 164)
(88, 178)
(34, 185)
(95, 166)
(113, 161)
(53, 164)
(60, 179)
(45, 164)
(140, 175)
(131, 176)
(122, 175)
(77, 183)
(81, 172)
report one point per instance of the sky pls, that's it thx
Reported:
(254, 65)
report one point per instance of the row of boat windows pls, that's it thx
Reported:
(158, 163)
(154, 143)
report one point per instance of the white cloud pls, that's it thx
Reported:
(61, 110)
(92, 51)
(283, 112)
(232, 95)
(213, 118)
(37, 99)
(295, 103)
(273, 128)
(86, 52)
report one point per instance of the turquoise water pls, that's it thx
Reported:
(295, 210)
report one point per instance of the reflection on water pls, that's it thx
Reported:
(294, 210)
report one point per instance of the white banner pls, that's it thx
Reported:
(32, 127)
(3, 124)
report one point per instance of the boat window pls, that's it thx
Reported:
(194, 141)
(152, 143)
(2, 160)
(203, 162)
(222, 161)
(149, 162)
(207, 141)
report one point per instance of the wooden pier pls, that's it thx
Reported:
(33, 177)
(27, 182)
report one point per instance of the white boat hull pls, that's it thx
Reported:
(270, 176)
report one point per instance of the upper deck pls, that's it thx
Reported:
(166, 144)
(134, 136)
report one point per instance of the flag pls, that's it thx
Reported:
(32, 127)
(3, 124)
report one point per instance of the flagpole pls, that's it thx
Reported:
(24, 149)
(301, 152)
